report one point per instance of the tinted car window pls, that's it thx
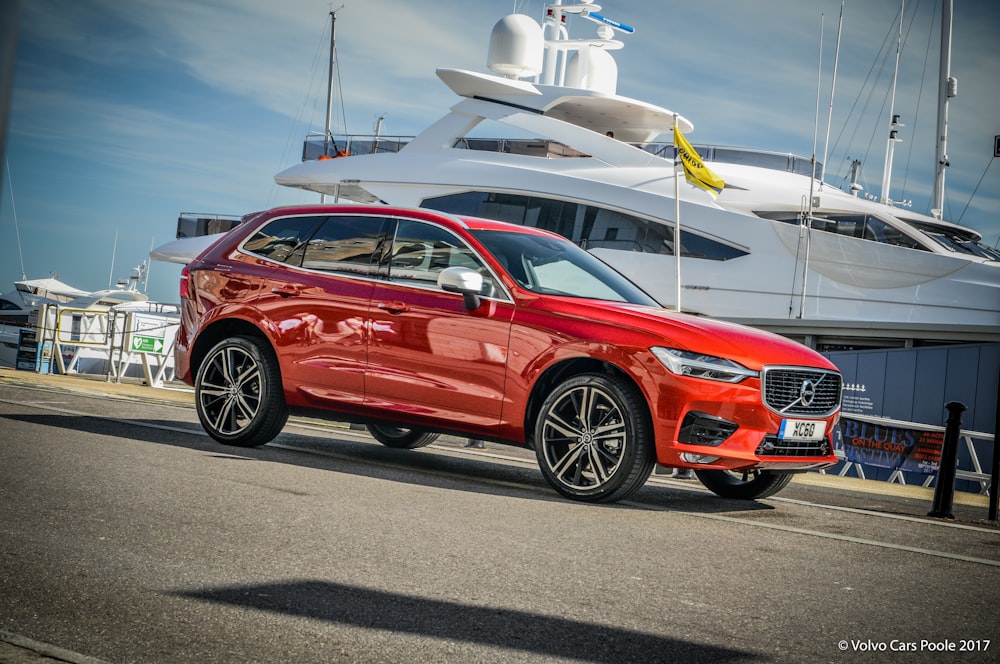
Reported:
(345, 244)
(420, 251)
(283, 239)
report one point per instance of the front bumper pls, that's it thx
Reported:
(716, 426)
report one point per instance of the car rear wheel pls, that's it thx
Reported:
(401, 438)
(238, 393)
(593, 439)
(744, 484)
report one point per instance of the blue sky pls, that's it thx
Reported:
(125, 114)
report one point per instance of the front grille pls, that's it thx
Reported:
(772, 447)
(792, 391)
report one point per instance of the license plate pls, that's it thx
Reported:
(802, 430)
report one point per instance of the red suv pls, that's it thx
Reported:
(416, 323)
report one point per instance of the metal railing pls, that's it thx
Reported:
(344, 145)
(119, 338)
(970, 468)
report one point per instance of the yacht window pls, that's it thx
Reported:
(981, 249)
(955, 240)
(283, 239)
(950, 242)
(586, 225)
(503, 207)
(484, 137)
(193, 225)
(553, 215)
(861, 226)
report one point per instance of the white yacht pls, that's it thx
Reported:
(579, 159)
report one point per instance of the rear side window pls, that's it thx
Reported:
(345, 245)
(283, 240)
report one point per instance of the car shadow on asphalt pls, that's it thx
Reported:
(422, 467)
(523, 631)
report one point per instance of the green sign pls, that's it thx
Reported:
(142, 344)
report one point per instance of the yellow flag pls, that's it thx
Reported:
(694, 168)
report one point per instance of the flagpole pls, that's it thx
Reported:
(677, 216)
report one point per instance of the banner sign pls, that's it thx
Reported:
(888, 446)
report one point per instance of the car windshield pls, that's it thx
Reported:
(553, 266)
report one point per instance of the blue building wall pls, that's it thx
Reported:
(914, 384)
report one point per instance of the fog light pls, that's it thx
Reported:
(688, 457)
(703, 429)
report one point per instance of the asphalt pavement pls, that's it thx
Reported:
(846, 494)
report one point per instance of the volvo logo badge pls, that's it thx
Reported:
(807, 392)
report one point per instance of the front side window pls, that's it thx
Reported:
(420, 251)
(553, 266)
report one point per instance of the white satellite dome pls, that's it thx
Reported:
(597, 70)
(516, 47)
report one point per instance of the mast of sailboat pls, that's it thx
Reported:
(331, 82)
(328, 135)
(805, 221)
(947, 88)
(833, 89)
(893, 118)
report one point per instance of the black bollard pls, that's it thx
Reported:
(944, 489)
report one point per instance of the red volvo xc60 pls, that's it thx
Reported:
(415, 323)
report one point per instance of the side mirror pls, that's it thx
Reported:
(462, 280)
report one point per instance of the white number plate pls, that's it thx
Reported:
(802, 430)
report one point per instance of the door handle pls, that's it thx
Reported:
(393, 307)
(285, 291)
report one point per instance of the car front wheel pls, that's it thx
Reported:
(238, 393)
(401, 438)
(593, 439)
(743, 484)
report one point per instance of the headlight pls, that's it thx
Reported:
(696, 365)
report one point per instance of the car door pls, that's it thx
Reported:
(428, 355)
(318, 307)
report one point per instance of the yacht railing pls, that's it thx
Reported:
(318, 146)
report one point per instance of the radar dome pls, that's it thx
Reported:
(516, 47)
(597, 70)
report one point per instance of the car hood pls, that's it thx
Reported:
(749, 346)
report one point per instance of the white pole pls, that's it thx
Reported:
(806, 224)
(887, 171)
(114, 252)
(833, 88)
(677, 214)
(946, 90)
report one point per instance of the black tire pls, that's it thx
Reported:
(594, 440)
(238, 393)
(401, 438)
(745, 484)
